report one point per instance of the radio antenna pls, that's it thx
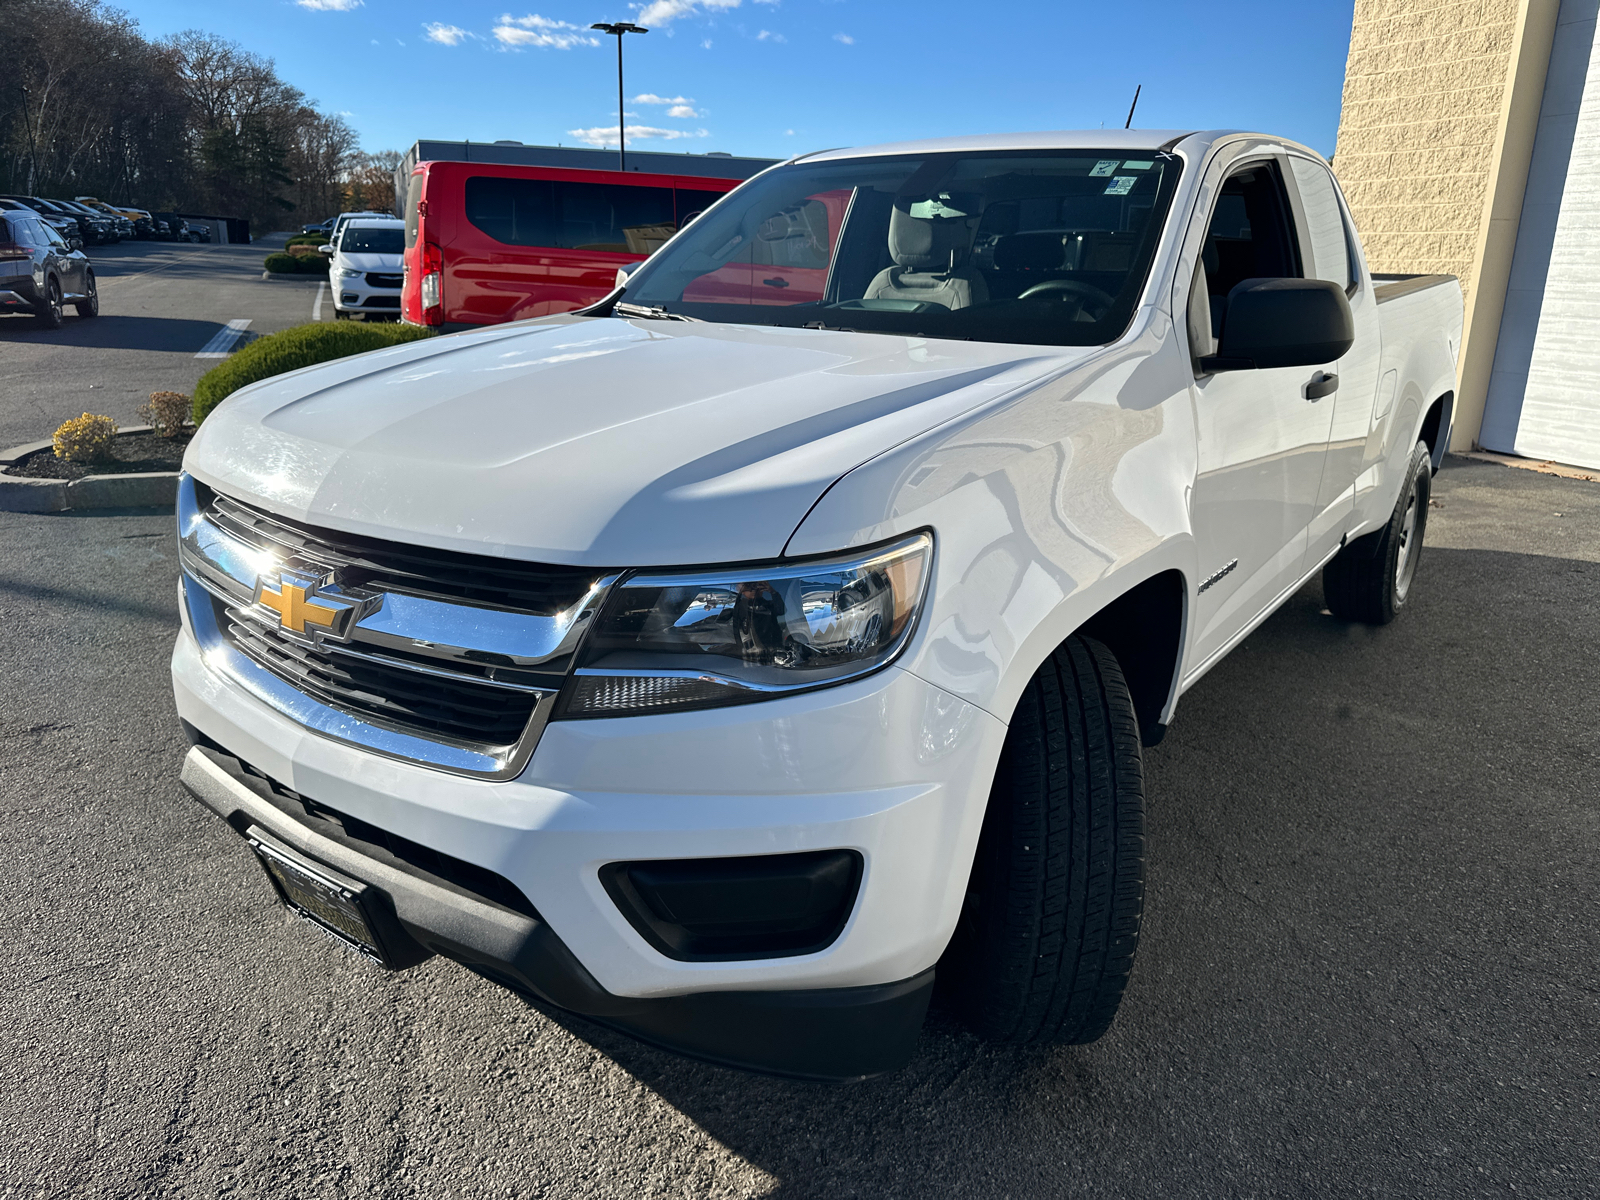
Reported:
(1134, 105)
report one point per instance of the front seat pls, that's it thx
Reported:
(930, 257)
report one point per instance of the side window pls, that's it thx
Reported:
(604, 217)
(1319, 201)
(518, 212)
(8, 236)
(614, 218)
(1250, 237)
(52, 237)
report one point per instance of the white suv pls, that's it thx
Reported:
(366, 269)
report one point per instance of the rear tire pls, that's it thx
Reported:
(49, 313)
(90, 307)
(1371, 578)
(1048, 932)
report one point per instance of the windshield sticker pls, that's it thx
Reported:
(1104, 167)
(1121, 185)
(1130, 165)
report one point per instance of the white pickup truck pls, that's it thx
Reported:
(726, 661)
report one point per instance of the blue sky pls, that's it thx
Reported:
(776, 77)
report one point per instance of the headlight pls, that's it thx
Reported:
(669, 642)
(347, 272)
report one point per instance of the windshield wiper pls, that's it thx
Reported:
(623, 309)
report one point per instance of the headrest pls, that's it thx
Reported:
(1030, 252)
(927, 243)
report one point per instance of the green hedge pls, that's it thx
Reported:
(302, 346)
(307, 239)
(296, 264)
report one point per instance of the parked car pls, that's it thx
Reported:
(721, 669)
(487, 243)
(63, 225)
(39, 273)
(325, 227)
(174, 228)
(365, 268)
(103, 225)
(122, 221)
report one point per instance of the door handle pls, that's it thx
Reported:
(778, 283)
(1323, 383)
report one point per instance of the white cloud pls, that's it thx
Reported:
(682, 111)
(774, 3)
(788, 133)
(652, 98)
(606, 135)
(706, 45)
(766, 35)
(446, 35)
(329, 5)
(661, 12)
(845, 38)
(533, 30)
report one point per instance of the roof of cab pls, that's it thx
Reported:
(1059, 139)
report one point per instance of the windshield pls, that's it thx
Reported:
(1039, 247)
(373, 239)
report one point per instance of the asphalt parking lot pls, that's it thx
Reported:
(160, 304)
(1371, 963)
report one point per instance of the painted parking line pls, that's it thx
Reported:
(316, 309)
(222, 345)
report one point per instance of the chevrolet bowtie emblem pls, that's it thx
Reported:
(304, 609)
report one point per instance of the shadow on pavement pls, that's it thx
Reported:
(1371, 905)
(109, 331)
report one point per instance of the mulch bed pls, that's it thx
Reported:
(133, 453)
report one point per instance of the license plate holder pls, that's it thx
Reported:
(331, 900)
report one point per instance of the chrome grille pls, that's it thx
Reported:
(466, 709)
(455, 660)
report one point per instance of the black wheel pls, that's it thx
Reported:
(1048, 931)
(90, 307)
(339, 314)
(49, 313)
(1370, 579)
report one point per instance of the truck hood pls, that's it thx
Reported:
(595, 441)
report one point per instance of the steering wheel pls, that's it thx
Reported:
(1072, 289)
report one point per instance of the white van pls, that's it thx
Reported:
(366, 269)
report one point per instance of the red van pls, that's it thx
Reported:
(487, 243)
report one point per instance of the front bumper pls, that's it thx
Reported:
(889, 766)
(357, 295)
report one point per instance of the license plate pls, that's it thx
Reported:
(332, 901)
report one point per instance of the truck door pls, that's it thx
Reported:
(1325, 236)
(1261, 442)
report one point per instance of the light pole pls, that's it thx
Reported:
(32, 146)
(617, 29)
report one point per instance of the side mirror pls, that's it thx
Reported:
(1283, 323)
(327, 249)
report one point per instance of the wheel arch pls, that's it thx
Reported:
(1144, 629)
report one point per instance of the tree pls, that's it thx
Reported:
(192, 122)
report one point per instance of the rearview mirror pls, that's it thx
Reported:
(1282, 323)
(327, 249)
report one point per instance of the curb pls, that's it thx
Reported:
(292, 277)
(144, 489)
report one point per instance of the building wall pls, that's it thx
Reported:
(1423, 94)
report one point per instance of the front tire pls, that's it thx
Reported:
(1047, 935)
(1370, 579)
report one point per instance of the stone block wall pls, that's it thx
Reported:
(1424, 91)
